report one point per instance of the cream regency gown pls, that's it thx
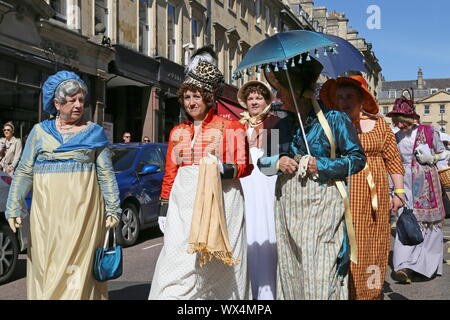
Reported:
(73, 183)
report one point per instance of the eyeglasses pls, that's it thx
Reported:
(146, 140)
(6, 130)
(127, 136)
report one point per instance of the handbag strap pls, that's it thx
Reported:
(339, 184)
(107, 238)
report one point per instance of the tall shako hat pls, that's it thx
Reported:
(202, 70)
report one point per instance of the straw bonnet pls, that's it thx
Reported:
(240, 95)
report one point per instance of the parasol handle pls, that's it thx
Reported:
(298, 112)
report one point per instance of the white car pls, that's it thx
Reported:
(11, 244)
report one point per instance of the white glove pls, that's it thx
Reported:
(444, 155)
(15, 223)
(423, 155)
(111, 222)
(162, 223)
(219, 163)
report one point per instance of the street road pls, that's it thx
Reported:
(140, 261)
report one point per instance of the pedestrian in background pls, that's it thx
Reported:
(126, 137)
(369, 189)
(420, 148)
(68, 166)
(146, 139)
(10, 149)
(259, 190)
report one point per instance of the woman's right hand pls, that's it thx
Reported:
(15, 223)
(287, 165)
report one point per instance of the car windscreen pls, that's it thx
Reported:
(123, 158)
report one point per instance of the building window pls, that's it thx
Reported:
(171, 32)
(385, 110)
(231, 4)
(243, 10)
(426, 109)
(101, 17)
(194, 33)
(434, 90)
(442, 108)
(448, 90)
(60, 7)
(258, 12)
(267, 17)
(276, 24)
(143, 27)
(232, 53)
(392, 94)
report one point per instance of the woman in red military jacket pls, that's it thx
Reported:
(178, 274)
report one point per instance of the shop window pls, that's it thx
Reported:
(7, 69)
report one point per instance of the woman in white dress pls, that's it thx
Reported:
(259, 190)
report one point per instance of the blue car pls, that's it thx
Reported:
(139, 171)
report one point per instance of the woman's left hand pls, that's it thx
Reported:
(10, 169)
(312, 166)
(396, 203)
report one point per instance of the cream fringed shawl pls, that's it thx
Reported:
(209, 233)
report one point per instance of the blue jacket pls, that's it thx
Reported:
(348, 147)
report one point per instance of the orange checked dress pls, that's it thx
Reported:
(372, 227)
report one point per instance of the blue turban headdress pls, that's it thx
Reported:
(50, 86)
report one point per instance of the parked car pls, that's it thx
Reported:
(139, 171)
(11, 244)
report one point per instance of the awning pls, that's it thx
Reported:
(229, 109)
(132, 65)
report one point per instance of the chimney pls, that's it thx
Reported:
(420, 79)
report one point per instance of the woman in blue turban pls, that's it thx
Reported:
(75, 195)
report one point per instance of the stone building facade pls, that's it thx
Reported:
(132, 52)
(431, 99)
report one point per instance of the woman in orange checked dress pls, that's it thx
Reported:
(369, 189)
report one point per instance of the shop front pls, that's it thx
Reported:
(130, 94)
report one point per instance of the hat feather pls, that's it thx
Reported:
(206, 54)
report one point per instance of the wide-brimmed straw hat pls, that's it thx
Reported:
(240, 95)
(329, 97)
(403, 107)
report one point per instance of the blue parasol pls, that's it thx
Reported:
(278, 49)
(343, 58)
(281, 47)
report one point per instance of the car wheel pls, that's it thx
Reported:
(128, 229)
(9, 251)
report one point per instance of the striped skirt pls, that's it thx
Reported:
(310, 232)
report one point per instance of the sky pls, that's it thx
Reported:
(411, 34)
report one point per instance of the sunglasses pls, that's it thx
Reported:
(127, 136)
(146, 140)
(6, 130)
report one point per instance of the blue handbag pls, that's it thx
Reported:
(108, 261)
(408, 229)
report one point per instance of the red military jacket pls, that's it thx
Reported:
(223, 138)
